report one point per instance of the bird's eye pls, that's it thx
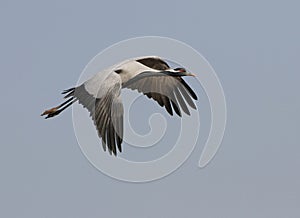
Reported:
(180, 69)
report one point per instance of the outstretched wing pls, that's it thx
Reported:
(171, 92)
(154, 63)
(106, 109)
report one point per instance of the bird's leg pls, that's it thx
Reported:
(50, 111)
(56, 110)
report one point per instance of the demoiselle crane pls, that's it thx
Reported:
(150, 75)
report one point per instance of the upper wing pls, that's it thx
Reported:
(155, 63)
(171, 92)
(106, 109)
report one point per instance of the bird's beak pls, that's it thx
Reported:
(190, 74)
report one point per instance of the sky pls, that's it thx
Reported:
(253, 47)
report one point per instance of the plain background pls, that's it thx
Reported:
(254, 48)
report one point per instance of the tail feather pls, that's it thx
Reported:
(58, 109)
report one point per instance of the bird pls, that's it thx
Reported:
(100, 95)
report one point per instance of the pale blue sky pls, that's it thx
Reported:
(254, 48)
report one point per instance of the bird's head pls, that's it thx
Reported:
(180, 71)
